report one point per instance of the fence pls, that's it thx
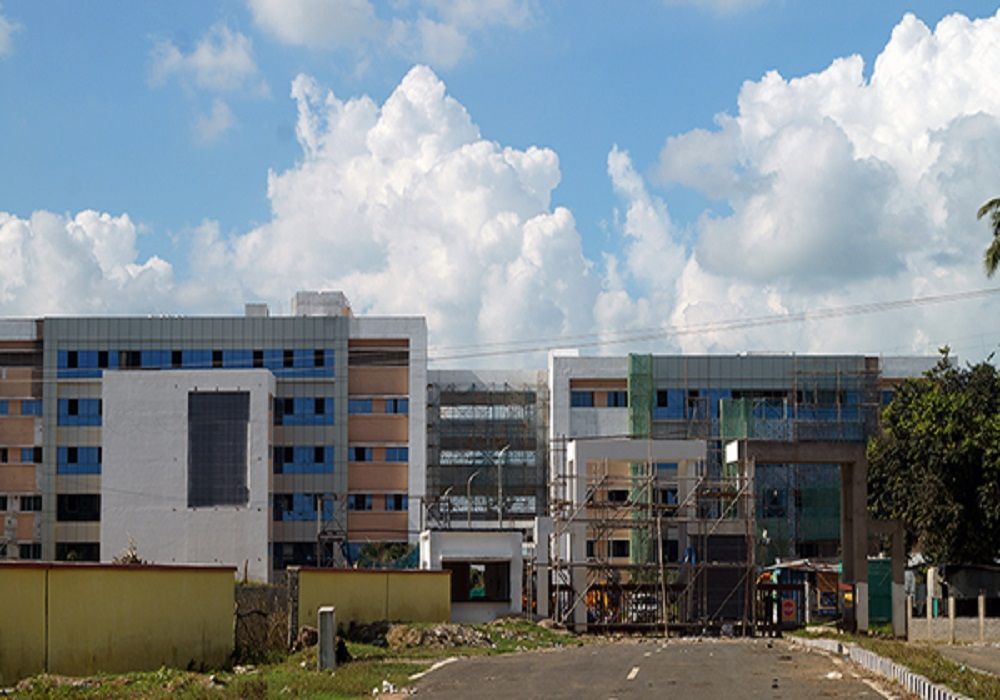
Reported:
(957, 624)
(78, 619)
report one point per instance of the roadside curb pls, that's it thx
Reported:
(912, 682)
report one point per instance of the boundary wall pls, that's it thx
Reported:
(368, 595)
(81, 619)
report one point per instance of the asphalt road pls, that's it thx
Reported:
(979, 657)
(730, 669)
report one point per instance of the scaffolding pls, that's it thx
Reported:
(487, 456)
(694, 565)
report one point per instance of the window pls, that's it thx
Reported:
(397, 454)
(31, 407)
(359, 501)
(31, 455)
(620, 548)
(30, 551)
(396, 501)
(618, 496)
(319, 454)
(78, 507)
(617, 399)
(360, 454)
(288, 358)
(102, 359)
(3, 503)
(774, 503)
(78, 551)
(73, 407)
(662, 398)
(4, 408)
(72, 359)
(257, 358)
(359, 406)
(130, 359)
(590, 549)
(4, 457)
(216, 359)
(319, 406)
(581, 399)
(217, 448)
(31, 504)
(397, 405)
(479, 582)
(318, 358)
(671, 550)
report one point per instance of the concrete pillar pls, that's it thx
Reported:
(899, 611)
(951, 619)
(327, 638)
(578, 547)
(982, 617)
(909, 614)
(807, 612)
(861, 606)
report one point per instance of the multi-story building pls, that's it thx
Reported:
(345, 444)
(486, 443)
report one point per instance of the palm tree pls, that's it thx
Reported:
(991, 258)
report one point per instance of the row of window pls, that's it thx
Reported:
(367, 406)
(621, 549)
(303, 411)
(29, 407)
(298, 459)
(65, 551)
(86, 412)
(366, 454)
(283, 362)
(25, 504)
(586, 399)
(366, 501)
(29, 455)
(78, 460)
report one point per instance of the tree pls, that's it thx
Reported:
(991, 258)
(936, 463)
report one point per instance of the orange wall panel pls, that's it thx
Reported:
(17, 431)
(366, 477)
(18, 479)
(378, 380)
(371, 525)
(605, 384)
(378, 428)
(16, 381)
(25, 526)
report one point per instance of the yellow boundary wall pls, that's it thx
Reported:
(80, 619)
(371, 595)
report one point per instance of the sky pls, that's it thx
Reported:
(652, 176)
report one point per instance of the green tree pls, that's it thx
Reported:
(991, 258)
(936, 463)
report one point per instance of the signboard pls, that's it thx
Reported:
(787, 609)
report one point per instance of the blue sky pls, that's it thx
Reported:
(101, 104)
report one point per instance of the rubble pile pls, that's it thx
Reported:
(440, 636)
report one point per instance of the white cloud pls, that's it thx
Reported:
(209, 128)
(86, 264)
(222, 61)
(437, 32)
(7, 30)
(832, 190)
(318, 24)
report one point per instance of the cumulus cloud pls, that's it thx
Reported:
(830, 189)
(222, 61)
(437, 32)
(840, 189)
(7, 30)
(85, 264)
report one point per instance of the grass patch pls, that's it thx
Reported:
(925, 660)
(296, 676)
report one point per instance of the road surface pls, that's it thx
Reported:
(727, 669)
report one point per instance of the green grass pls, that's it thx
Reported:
(925, 660)
(295, 676)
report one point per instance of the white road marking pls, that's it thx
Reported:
(434, 667)
(632, 674)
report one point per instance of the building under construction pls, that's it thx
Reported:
(487, 461)
(651, 524)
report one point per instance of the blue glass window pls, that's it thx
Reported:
(359, 501)
(669, 404)
(581, 399)
(237, 359)
(397, 454)
(303, 459)
(78, 460)
(356, 406)
(617, 399)
(316, 410)
(79, 412)
(360, 454)
(3, 408)
(396, 502)
(397, 405)
(31, 407)
(292, 507)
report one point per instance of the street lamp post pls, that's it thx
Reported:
(468, 497)
(500, 458)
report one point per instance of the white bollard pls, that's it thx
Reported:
(327, 638)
